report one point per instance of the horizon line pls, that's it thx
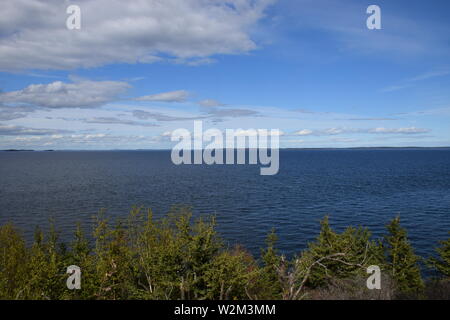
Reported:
(165, 149)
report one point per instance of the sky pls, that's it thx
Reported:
(137, 70)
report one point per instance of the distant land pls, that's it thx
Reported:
(365, 148)
(337, 148)
(23, 150)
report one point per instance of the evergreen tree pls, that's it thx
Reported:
(228, 275)
(402, 263)
(177, 257)
(350, 253)
(13, 263)
(46, 278)
(114, 261)
(442, 263)
(268, 277)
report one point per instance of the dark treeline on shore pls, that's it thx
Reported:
(178, 257)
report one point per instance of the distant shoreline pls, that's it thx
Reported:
(106, 150)
(26, 150)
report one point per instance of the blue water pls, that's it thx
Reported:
(355, 187)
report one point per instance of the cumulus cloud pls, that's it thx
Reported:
(172, 96)
(33, 34)
(79, 94)
(381, 130)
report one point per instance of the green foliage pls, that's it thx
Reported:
(173, 255)
(401, 262)
(81, 256)
(179, 257)
(46, 267)
(229, 274)
(344, 255)
(262, 279)
(13, 258)
(442, 263)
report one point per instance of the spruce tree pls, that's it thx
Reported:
(401, 262)
(355, 253)
(269, 276)
(13, 263)
(442, 263)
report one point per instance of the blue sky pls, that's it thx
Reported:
(136, 71)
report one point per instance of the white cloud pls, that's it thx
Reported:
(145, 115)
(114, 120)
(256, 132)
(14, 112)
(371, 119)
(303, 132)
(430, 75)
(210, 103)
(231, 113)
(33, 34)
(172, 96)
(381, 130)
(396, 87)
(410, 130)
(409, 82)
(445, 111)
(80, 94)
(13, 130)
(85, 141)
